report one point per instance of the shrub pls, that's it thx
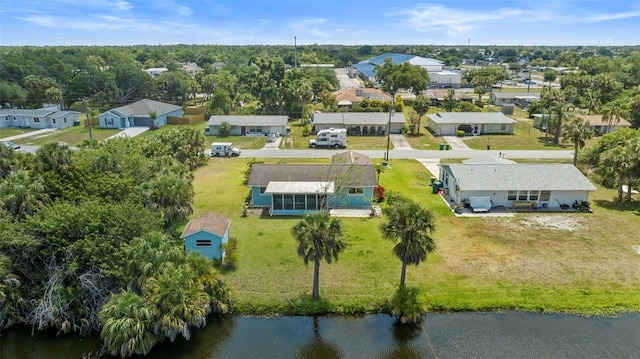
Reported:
(224, 130)
(406, 307)
(378, 194)
(306, 131)
(460, 133)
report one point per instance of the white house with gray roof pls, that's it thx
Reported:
(359, 123)
(473, 123)
(520, 99)
(248, 125)
(139, 113)
(38, 118)
(511, 185)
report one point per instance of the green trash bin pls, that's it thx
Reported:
(433, 179)
(441, 146)
(447, 147)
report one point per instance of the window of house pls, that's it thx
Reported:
(255, 129)
(503, 127)
(299, 202)
(65, 120)
(203, 243)
(512, 195)
(277, 201)
(522, 195)
(288, 201)
(356, 190)
(545, 195)
(312, 202)
(53, 121)
(262, 189)
(533, 195)
(36, 120)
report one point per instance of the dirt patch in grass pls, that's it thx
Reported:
(561, 222)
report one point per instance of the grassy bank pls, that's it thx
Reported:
(564, 262)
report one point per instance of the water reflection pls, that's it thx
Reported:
(457, 335)
(317, 347)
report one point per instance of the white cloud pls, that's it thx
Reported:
(454, 21)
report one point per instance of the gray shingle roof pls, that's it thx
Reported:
(146, 106)
(350, 157)
(249, 120)
(471, 117)
(504, 177)
(262, 174)
(209, 222)
(357, 118)
(26, 112)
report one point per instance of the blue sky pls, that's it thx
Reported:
(346, 22)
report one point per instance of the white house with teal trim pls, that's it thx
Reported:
(139, 114)
(294, 190)
(206, 235)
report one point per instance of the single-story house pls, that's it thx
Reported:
(488, 160)
(514, 185)
(206, 235)
(475, 123)
(38, 118)
(291, 190)
(437, 96)
(356, 95)
(248, 125)
(139, 113)
(520, 99)
(359, 123)
(599, 126)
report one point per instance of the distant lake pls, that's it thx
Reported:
(448, 335)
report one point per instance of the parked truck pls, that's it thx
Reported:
(332, 137)
(226, 149)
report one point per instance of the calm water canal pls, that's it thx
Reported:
(457, 335)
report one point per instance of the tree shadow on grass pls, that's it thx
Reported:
(614, 205)
(548, 142)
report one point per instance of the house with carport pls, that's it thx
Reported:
(38, 118)
(206, 234)
(472, 123)
(139, 113)
(529, 186)
(359, 123)
(248, 125)
(297, 189)
(520, 99)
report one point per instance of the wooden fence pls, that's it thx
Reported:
(196, 115)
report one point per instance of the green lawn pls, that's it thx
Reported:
(9, 132)
(73, 135)
(479, 264)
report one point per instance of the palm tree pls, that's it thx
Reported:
(319, 237)
(617, 163)
(52, 157)
(181, 301)
(22, 194)
(146, 255)
(413, 225)
(128, 324)
(421, 106)
(577, 131)
(560, 113)
(172, 195)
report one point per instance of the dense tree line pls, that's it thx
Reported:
(86, 241)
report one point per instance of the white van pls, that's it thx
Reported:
(219, 149)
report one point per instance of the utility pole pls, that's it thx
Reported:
(86, 110)
(392, 104)
(295, 53)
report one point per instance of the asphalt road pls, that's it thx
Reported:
(410, 154)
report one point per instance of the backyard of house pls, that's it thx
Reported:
(564, 262)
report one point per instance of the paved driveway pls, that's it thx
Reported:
(130, 132)
(456, 143)
(400, 142)
(28, 134)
